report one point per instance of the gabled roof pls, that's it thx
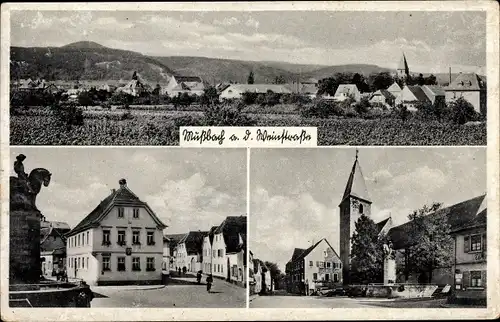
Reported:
(394, 88)
(173, 238)
(346, 89)
(356, 186)
(211, 234)
(299, 254)
(436, 90)
(120, 197)
(180, 79)
(467, 81)
(231, 229)
(193, 241)
(459, 217)
(419, 93)
(260, 88)
(296, 253)
(383, 92)
(381, 224)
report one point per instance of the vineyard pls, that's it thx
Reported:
(154, 127)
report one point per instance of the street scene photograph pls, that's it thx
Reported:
(131, 228)
(87, 77)
(368, 228)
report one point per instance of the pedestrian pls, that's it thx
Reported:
(210, 280)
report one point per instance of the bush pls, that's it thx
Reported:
(363, 106)
(295, 98)
(401, 112)
(225, 115)
(461, 111)
(249, 98)
(322, 109)
(68, 114)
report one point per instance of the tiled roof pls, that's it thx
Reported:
(122, 196)
(436, 90)
(193, 241)
(300, 253)
(356, 185)
(467, 81)
(174, 238)
(394, 88)
(188, 79)
(419, 93)
(383, 92)
(459, 216)
(381, 224)
(231, 228)
(346, 89)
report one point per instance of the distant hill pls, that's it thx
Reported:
(86, 61)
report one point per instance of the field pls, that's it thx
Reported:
(38, 126)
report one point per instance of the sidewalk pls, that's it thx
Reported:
(127, 287)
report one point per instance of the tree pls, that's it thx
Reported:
(363, 106)
(431, 80)
(420, 80)
(85, 99)
(461, 111)
(430, 242)
(249, 98)
(275, 273)
(250, 78)
(367, 256)
(209, 96)
(279, 79)
(401, 111)
(360, 82)
(380, 81)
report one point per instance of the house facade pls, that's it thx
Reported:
(119, 242)
(192, 85)
(170, 250)
(345, 91)
(382, 97)
(471, 87)
(411, 97)
(313, 268)
(394, 89)
(53, 246)
(434, 92)
(235, 91)
(207, 262)
(189, 251)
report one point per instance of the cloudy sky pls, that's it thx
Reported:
(432, 41)
(189, 189)
(295, 192)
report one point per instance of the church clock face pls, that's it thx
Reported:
(355, 203)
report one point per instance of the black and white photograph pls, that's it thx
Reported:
(83, 77)
(128, 228)
(368, 228)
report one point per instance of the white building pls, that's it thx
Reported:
(394, 89)
(193, 85)
(170, 251)
(207, 260)
(189, 251)
(228, 240)
(235, 91)
(471, 87)
(411, 97)
(119, 242)
(344, 91)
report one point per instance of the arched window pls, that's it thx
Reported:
(361, 208)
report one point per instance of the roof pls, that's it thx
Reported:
(356, 186)
(383, 92)
(188, 78)
(467, 81)
(174, 238)
(436, 90)
(193, 241)
(260, 88)
(382, 223)
(346, 89)
(122, 196)
(211, 234)
(394, 88)
(300, 253)
(459, 217)
(231, 229)
(418, 92)
(55, 224)
(297, 252)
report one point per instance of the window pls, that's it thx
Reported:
(121, 237)
(136, 264)
(219, 252)
(87, 262)
(328, 264)
(136, 237)
(150, 264)
(311, 264)
(327, 277)
(136, 213)
(105, 264)
(105, 237)
(83, 262)
(475, 279)
(321, 264)
(78, 240)
(340, 265)
(88, 242)
(475, 243)
(121, 264)
(317, 263)
(78, 263)
(121, 211)
(361, 208)
(335, 277)
(151, 237)
(315, 276)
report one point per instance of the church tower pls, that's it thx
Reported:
(355, 202)
(403, 71)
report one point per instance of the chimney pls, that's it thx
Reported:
(123, 183)
(113, 190)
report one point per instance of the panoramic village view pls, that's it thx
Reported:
(132, 78)
(409, 232)
(170, 233)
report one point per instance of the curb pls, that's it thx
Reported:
(131, 287)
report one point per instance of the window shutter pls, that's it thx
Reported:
(466, 280)
(466, 244)
(483, 278)
(484, 242)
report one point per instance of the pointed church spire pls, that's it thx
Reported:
(356, 186)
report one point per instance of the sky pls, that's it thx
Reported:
(295, 193)
(188, 189)
(432, 41)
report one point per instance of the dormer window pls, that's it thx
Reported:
(121, 212)
(361, 208)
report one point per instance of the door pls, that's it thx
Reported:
(228, 270)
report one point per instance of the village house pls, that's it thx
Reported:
(169, 251)
(433, 92)
(382, 97)
(207, 251)
(134, 87)
(471, 87)
(394, 89)
(228, 240)
(192, 85)
(53, 246)
(411, 96)
(345, 91)
(260, 280)
(308, 88)
(119, 242)
(313, 268)
(235, 91)
(189, 251)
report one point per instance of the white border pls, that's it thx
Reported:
(94, 314)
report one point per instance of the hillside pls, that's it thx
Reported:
(85, 60)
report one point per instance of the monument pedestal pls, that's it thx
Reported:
(389, 271)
